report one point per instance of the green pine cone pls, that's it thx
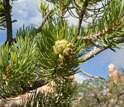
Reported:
(63, 50)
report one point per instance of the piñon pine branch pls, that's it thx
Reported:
(82, 15)
(98, 50)
(89, 75)
(104, 32)
(44, 20)
(35, 85)
(93, 53)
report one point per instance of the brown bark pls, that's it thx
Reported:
(82, 15)
(8, 19)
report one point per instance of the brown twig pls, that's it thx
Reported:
(13, 21)
(98, 50)
(62, 12)
(93, 53)
(8, 19)
(35, 85)
(37, 30)
(82, 15)
(44, 20)
(105, 31)
(89, 75)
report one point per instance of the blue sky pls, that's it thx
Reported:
(25, 12)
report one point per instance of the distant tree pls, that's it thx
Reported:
(97, 93)
(54, 50)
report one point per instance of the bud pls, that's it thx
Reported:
(60, 48)
(63, 50)
(70, 45)
(65, 53)
(69, 50)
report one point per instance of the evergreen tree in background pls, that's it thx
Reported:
(54, 50)
(99, 93)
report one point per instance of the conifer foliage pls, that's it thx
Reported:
(54, 50)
